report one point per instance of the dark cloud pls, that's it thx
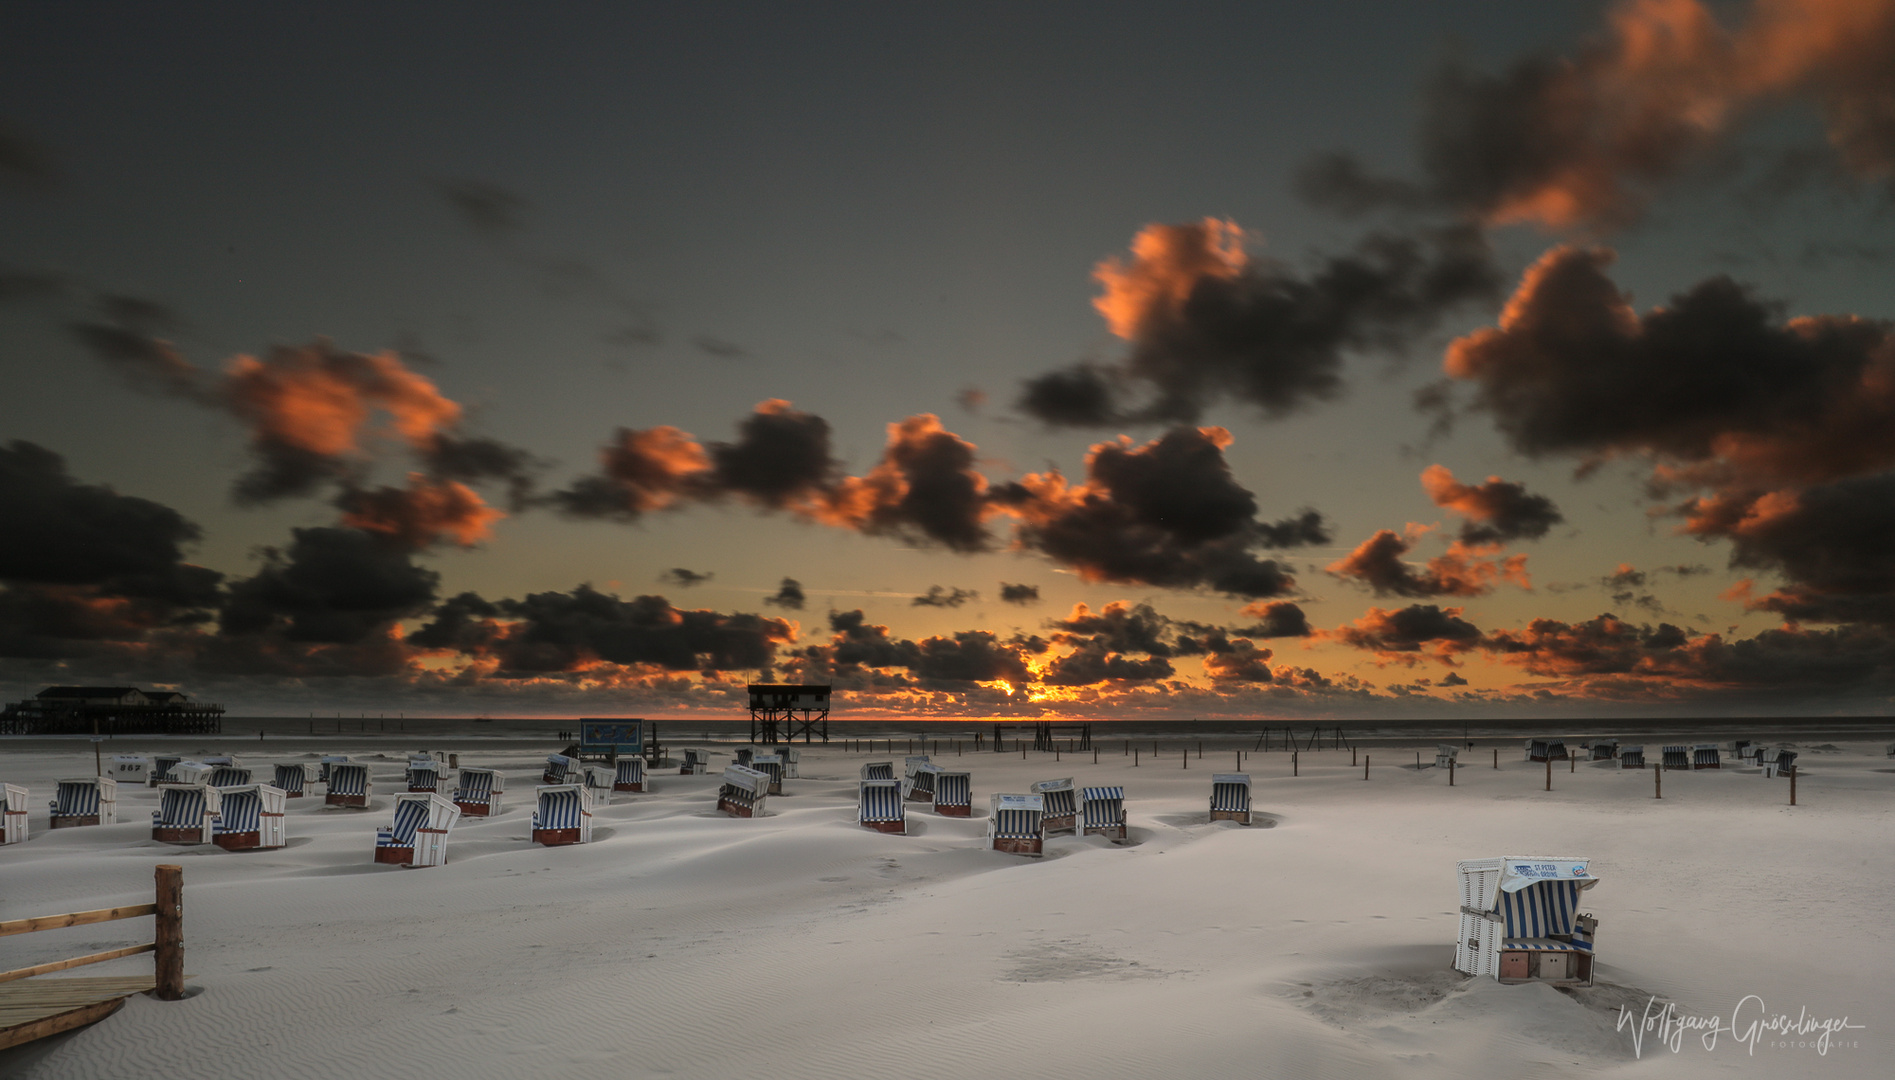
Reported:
(553, 632)
(1205, 323)
(1019, 594)
(684, 579)
(478, 459)
(1119, 628)
(1832, 543)
(789, 595)
(781, 456)
(969, 656)
(1410, 630)
(640, 471)
(1093, 662)
(1279, 618)
(488, 209)
(971, 398)
(125, 334)
(424, 513)
(718, 347)
(925, 489)
(1461, 571)
(1239, 661)
(1453, 678)
(332, 586)
(1496, 511)
(936, 596)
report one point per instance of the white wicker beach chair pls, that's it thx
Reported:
(1230, 797)
(186, 814)
(563, 815)
(879, 806)
(479, 792)
(1520, 920)
(13, 813)
(1102, 812)
(250, 817)
(418, 834)
(1014, 824)
(85, 800)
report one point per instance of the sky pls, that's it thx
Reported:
(1214, 360)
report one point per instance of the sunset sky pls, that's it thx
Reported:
(1346, 360)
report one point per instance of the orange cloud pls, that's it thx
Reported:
(1167, 263)
(422, 513)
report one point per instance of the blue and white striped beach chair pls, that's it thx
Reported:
(85, 800)
(560, 769)
(13, 814)
(879, 770)
(418, 834)
(563, 815)
(1778, 762)
(1677, 757)
(161, 769)
(250, 817)
(1445, 754)
(228, 776)
(696, 763)
(879, 806)
(329, 761)
(1631, 757)
(770, 765)
(1060, 810)
(599, 781)
(423, 774)
(186, 814)
(630, 775)
(1706, 756)
(1520, 919)
(290, 778)
(954, 794)
(1230, 797)
(348, 786)
(919, 786)
(1602, 749)
(1547, 750)
(743, 792)
(1102, 812)
(478, 792)
(1014, 824)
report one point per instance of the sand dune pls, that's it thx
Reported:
(799, 945)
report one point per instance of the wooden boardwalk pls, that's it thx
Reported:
(35, 1008)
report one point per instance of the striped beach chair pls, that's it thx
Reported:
(630, 774)
(770, 765)
(563, 815)
(186, 814)
(130, 768)
(696, 763)
(1520, 920)
(743, 791)
(1445, 754)
(348, 786)
(744, 755)
(418, 834)
(919, 786)
(161, 768)
(560, 769)
(250, 818)
(478, 792)
(85, 800)
(1547, 750)
(599, 781)
(1014, 824)
(1677, 757)
(329, 761)
(1706, 756)
(1102, 812)
(13, 814)
(228, 776)
(792, 763)
(1780, 764)
(954, 794)
(1631, 757)
(1059, 808)
(1230, 797)
(190, 772)
(423, 774)
(1602, 749)
(290, 778)
(878, 806)
(879, 770)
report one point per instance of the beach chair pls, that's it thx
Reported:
(563, 815)
(328, 762)
(1520, 920)
(770, 765)
(1779, 762)
(1706, 756)
(954, 794)
(161, 769)
(696, 763)
(792, 763)
(1102, 812)
(250, 818)
(1677, 757)
(418, 834)
(879, 770)
(290, 778)
(743, 791)
(599, 782)
(560, 769)
(85, 800)
(1547, 750)
(478, 792)
(130, 768)
(228, 776)
(223, 759)
(1603, 749)
(879, 806)
(630, 775)
(423, 774)
(190, 772)
(13, 814)
(1058, 809)
(1230, 797)
(1014, 824)
(919, 786)
(1445, 754)
(348, 786)
(744, 755)
(1631, 757)
(186, 814)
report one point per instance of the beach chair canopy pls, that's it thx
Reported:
(347, 778)
(1102, 806)
(879, 770)
(81, 796)
(631, 770)
(181, 807)
(410, 816)
(879, 800)
(954, 789)
(744, 778)
(190, 772)
(224, 776)
(1230, 792)
(1057, 796)
(476, 785)
(562, 806)
(242, 808)
(13, 798)
(1705, 754)
(161, 765)
(291, 777)
(1017, 817)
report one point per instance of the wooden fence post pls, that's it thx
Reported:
(1450, 772)
(170, 932)
(1365, 766)
(1496, 757)
(1792, 785)
(1549, 772)
(1293, 763)
(1658, 781)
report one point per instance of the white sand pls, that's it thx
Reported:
(683, 943)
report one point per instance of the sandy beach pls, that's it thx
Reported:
(1317, 942)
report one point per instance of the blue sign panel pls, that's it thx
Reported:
(624, 736)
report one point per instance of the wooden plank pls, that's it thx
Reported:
(76, 918)
(77, 961)
(64, 1021)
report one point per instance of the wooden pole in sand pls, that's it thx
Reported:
(1134, 759)
(1658, 781)
(1572, 763)
(1293, 763)
(1549, 772)
(1352, 755)
(1792, 785)
(1095, 755)
(170, 936)
(1240, 761)
(1365, 766)
(1184, 758)
(1496, 757)
(1450, 772)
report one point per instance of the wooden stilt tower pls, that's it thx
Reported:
(779, 712)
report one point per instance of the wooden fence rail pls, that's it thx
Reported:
(167, 939)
